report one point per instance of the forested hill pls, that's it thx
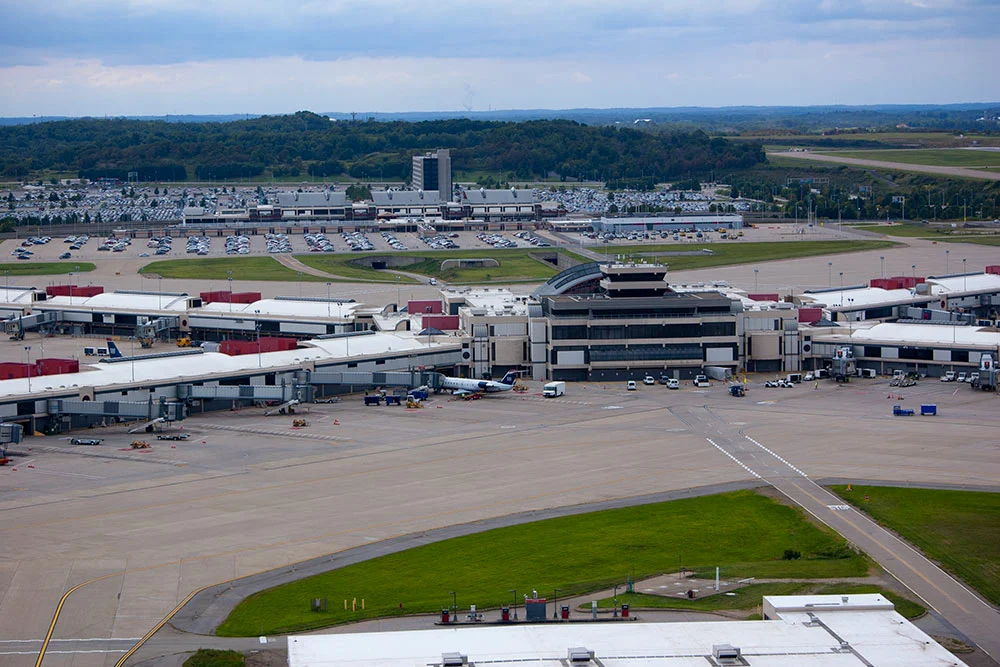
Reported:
(306, 143)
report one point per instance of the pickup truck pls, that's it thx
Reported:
(900, 411)
(948, 377)
(701, 381)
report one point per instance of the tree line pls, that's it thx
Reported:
(306, 143)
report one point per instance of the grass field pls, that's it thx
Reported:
(905, 229)
(340, 265)
(515, 265)
(218, 268)
(938, 157)
(31, 268)
(900, 139)
(745, 253)
(978, 240)
(959, 529)
(210, 657)
(749, 597)
(749, 534)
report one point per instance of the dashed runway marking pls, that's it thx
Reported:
(738, 462)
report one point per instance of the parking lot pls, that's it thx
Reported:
(248, 492)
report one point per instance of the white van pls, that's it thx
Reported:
(673, 383)
(630, 385)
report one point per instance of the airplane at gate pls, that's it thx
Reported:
(470, 386)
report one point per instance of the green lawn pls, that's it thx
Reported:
(340, 265)
(746, 253)
(938, 157)
(210, 657)
(906, 229)
(749, 597)
(978, 240)
(515, 265)
(218, 268)
(748, 532)
(31, 268)
(959, 529)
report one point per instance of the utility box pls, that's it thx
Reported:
(534, 609)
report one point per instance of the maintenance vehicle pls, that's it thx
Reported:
(173, 436)
(86, 441)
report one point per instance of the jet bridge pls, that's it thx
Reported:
(246, 392)
(18, 324)
(378, 379)
(156, 328)
(129, 410)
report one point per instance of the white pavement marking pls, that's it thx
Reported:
(775, 455)
(738, 462)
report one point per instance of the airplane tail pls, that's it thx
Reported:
(113, 350)
(510, 377)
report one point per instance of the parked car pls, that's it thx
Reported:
(648, 380)
(85, 441)
(631, 385)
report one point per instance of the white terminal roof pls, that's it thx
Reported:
(972, 282)
(118, 301)
(18, 295)
(283, 308)
(876, 635)
(922, 334)
(862, 297)
(497, 301)
(164, 370)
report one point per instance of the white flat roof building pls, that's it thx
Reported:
(821, 631)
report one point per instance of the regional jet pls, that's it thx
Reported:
(462, 386)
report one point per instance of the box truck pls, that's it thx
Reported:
(553, 389)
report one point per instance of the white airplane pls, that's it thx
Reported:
(462, 386)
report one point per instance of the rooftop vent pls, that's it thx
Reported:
(726, 654)
(579, 655)
(454, 659)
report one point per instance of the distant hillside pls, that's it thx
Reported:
(307, 143)
(714, 120)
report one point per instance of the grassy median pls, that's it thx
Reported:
(219, 268)
(727, 253)
(749, 597)
(958, 529)
(32, 268)
(745, 533)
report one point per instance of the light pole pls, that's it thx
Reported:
(229, 277)
(882, 260)
(829, 274)
(159, 292)
(328, 300)
(913, 267)
(841, 281)
(614, 602)
(27, 350)
(397, 292)
(300, 283)
(256, 325)
(755, 272)
(965, 278)
(555, 604)
(454, 602)
(946, 253)
(513, 592)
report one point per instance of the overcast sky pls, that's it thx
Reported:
(154, 57)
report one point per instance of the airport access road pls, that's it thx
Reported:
(964, 609)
